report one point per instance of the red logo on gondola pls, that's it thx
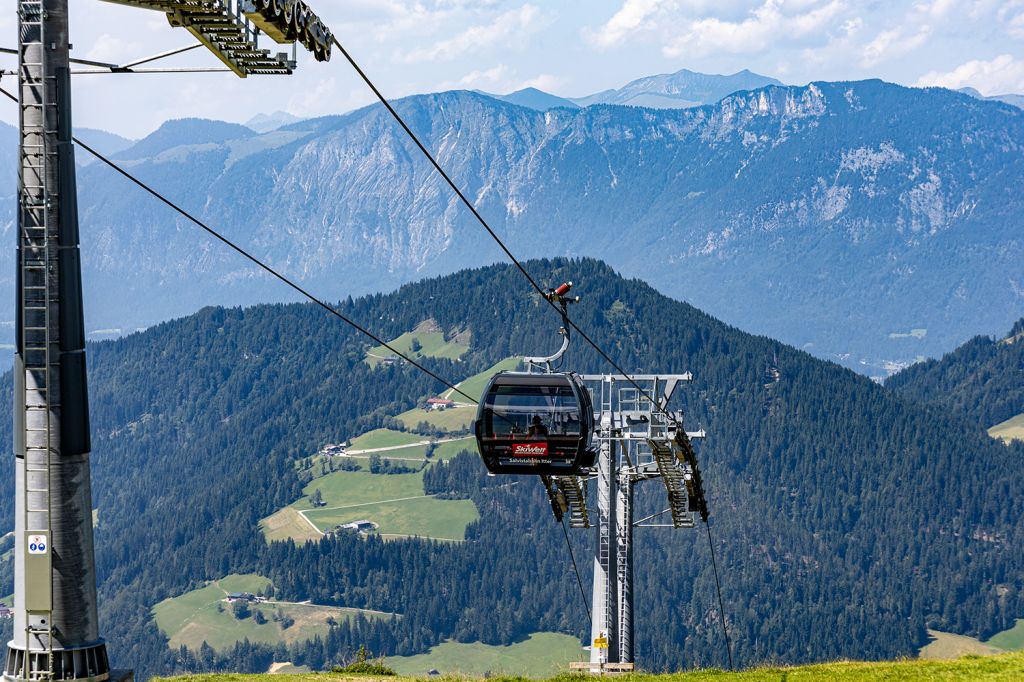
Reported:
(529, 449)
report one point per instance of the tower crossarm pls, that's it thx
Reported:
(568, 495)
(227, 29)
(674, 475)
(694, 482)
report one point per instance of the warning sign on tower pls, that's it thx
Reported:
(37, 544)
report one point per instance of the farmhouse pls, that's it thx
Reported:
(439, 403)
(334, 449)
(6, 613)
(362, 526)
(240, 596)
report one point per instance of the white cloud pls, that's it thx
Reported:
(544, 81)
(633, 16)
(764, 27)
(108, 48)
(515, 23)
(321, 99)
(936, 8)
(1011, 16)
(852, 27)
(1002, 75)
(501, 79)
(893, 43)
(481, 79)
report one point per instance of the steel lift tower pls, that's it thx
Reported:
(639, 439)
(56, 627)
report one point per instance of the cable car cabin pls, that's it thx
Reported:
(535, 424)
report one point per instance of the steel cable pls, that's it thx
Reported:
(494, 235)
(533, 282)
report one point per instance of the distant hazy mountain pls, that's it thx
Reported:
(1015, 100)
(264, 123)
(185, 133)
(533, 98)
(680, 90)
(865, 222)
(101, 141)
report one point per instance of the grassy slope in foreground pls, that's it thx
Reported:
(1004, 668)
(541, 655)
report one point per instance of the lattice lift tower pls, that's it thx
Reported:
(639, 439)
(56, 628)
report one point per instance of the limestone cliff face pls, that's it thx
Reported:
(836, 216)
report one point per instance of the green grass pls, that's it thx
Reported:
(945, 646)
(288, 523)
(1011, 429)
(1004, 668)
(433, 344)
(453, 419)
(419, 516)
(346, 488)
(8, 601)
(384, 438)
(443, 452)
(475, 385)
(542, 655)
(395, 502)
(1009, 640)
(202, 616)
(244, 583)
(446, 451)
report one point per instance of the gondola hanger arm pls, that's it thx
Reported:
(559, 296)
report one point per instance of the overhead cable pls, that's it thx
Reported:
(579, 580)
(718, 586)
(263, 266)
(494, 235)
(533, 282)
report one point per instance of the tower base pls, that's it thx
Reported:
(85, 663)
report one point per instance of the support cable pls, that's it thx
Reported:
(718, 586)
(579, 580)
(533, 282)
(323, 304)
(241, 251)
(494, 235)
(298, 288)
(336, 313)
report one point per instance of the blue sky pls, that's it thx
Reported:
(566, 47)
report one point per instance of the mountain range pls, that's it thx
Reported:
(868, 223)
(1012, 99)
(680, 90)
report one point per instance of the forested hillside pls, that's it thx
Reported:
(982, 380)
(847, 520)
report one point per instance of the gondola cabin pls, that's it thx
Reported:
(535, 424)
